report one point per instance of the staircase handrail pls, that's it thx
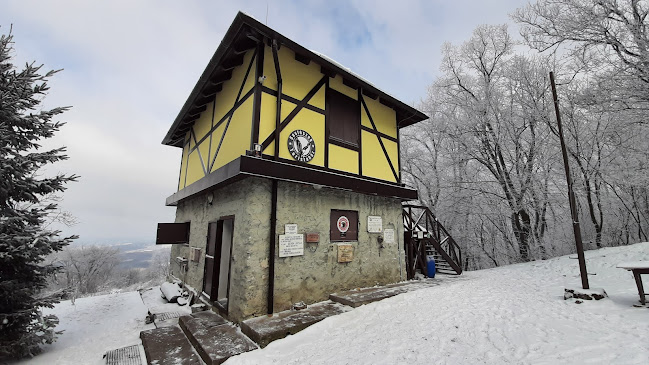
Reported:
(447, 244)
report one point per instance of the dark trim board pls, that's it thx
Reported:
(246, 166)
(256, 106)
(380, 134)
(293, 113)
(344, 144)
(293, 100)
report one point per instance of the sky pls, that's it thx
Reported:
(128, 67)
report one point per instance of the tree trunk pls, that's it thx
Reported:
(521, 226)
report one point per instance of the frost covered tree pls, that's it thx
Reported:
(24, 207)
(610, 36)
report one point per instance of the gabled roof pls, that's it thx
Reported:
(243, 35)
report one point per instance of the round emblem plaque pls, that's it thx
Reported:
(343, 224)
(301, 146)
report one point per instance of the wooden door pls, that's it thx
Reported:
(216, 283)
(210, 260)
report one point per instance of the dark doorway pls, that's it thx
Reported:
(216, 283)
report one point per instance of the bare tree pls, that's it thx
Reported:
(86, 269)
(611, 35)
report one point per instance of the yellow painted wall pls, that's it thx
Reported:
(314, 124)
(298, 80)
(374, 162)
(336, 83)
(343, 159)
(194, 168)
(237, 137)
(183, 166)
(385, 118)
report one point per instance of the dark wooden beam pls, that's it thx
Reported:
(350, 83)
(370, 94)
(303, 59)
(204, 100)
(244, 44)
(212, 89)
(327, 72)
(245, 166)
(195, 111)
(218, 77)
(232, 62)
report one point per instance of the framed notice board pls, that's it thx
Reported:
(343, 225)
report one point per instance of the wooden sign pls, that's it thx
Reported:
(345, 253)
(312, 237)
(291, 245)
(374, 224)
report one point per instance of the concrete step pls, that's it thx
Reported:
(168, 346)
(214, 338)
(356, 298)
(264, 330)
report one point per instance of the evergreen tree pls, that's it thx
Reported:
(25, 208)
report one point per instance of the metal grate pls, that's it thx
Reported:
(129, 355)
(168, 315)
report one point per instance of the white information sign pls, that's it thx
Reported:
(291, 245)
(374, 224)
(388, 235)
(290, 229)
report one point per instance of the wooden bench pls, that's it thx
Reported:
(638, 268)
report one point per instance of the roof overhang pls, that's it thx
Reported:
(246, 33)
(247, 166)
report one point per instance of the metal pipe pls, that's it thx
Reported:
(571, 195)
(273, 208)
(271, 255)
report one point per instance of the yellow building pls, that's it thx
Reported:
(290, 178)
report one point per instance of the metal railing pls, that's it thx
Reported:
(423, 229)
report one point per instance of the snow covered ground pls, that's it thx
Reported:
(93, 326)
(514, 314)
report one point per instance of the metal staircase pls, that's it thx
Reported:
(424, 235)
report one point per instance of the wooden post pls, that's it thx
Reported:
(571, 194)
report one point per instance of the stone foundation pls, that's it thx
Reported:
(310, 277)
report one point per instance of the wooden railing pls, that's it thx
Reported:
(423, 229)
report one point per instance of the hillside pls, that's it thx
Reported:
(514, 314)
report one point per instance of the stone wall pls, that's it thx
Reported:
(316, 274)
(249, 202)
(310, 277)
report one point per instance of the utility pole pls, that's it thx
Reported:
(571, 194)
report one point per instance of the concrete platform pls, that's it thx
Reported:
(214, 338)
(356, 298)
(264, 330)
(168, 346)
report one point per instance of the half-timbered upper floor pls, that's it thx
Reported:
(311, 119)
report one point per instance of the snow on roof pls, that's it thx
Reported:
(350, 71)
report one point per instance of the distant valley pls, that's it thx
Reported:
(139, 255)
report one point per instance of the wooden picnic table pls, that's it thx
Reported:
(638, 268)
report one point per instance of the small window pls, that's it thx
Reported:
(344, 226)
(344, 118)
(172, 233)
